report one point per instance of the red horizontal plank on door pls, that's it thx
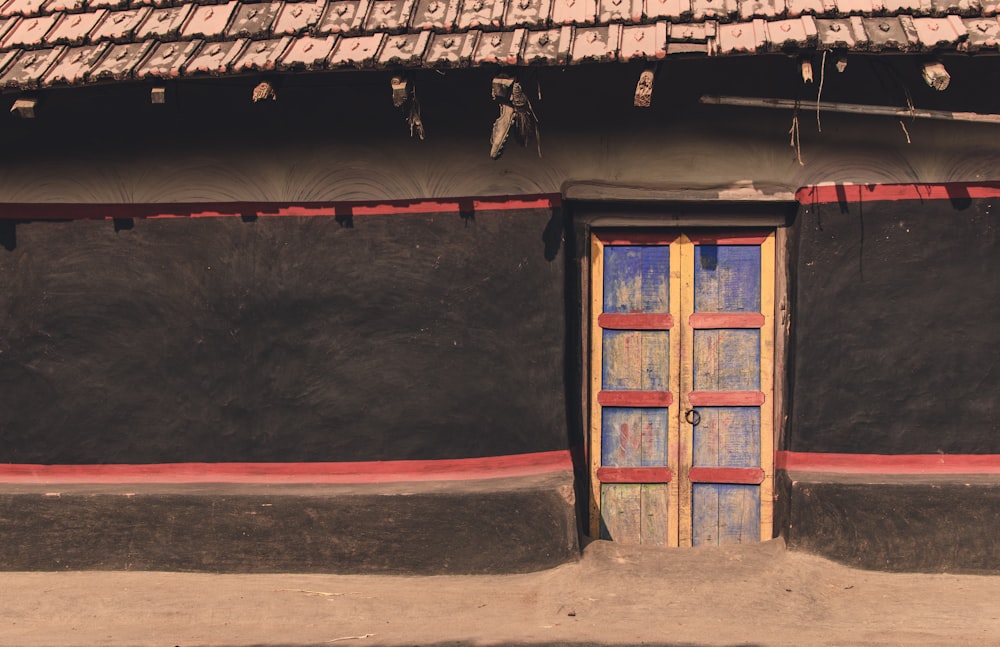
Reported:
(627, 237)
(733, 475)
(634, 474)
(710, 320)
(635, 398)
(635, 321)
(729, 237)
(726, 398)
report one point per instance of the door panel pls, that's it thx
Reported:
(681, 344)
(725, 514)
(726, 278)
(727, 437)
(636, 513)
(634, 437)
(726, 360)
(636, 360)
(636, 279)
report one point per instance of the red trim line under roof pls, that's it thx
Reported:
(90, 211)
(459, 469)
(852, 193)
(888, 464)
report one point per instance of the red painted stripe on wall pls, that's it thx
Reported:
(276, 473)
(888, 464)
(850, 193)
(70, 211)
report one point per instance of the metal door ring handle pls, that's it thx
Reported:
(692, 417)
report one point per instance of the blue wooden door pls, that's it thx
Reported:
(681, 345)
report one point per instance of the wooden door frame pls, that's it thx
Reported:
(775, 216)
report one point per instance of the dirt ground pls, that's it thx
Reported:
(615, 595)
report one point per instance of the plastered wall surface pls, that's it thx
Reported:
(283, 339)
(895, 305)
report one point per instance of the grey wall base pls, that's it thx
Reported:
(490, 526)
(894, 523)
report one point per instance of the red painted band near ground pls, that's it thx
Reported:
(889, 464)
(276, 473)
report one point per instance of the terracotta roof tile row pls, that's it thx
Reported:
(52, 42)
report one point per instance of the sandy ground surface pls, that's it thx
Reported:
(615, 595)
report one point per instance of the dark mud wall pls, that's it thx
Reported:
(896, 328)
(283, 339)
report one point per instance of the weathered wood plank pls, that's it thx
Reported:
(674, 419)
(634, 437)
(655, 512)
(726, 514)
(655, 267)
(725, 320)
(739, 437)
(739, 513)
(705, 360)
(704, 515)
(595, 375)
(726, 398)
(621, 510)
(739, 360)
(622, 286)
(636, 360)
(635, 398)
(705, 437)
(727, 278)
(686, 283)
(659, 475)
(727, 437)
(734, 475)
(768, 411)
(636, 279)
(637, 321)
(727, 360)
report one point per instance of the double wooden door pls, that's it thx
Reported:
(682, 339)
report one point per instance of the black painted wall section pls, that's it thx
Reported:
(497, 526)
(283, 339)
(895, 347)
(944, 524)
